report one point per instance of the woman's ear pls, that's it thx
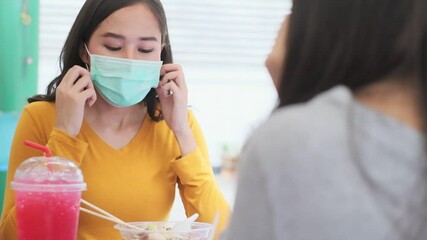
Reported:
(84, 56)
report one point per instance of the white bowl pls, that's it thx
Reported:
(163, 231)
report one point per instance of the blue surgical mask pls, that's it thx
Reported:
(123, 82)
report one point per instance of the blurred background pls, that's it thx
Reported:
(222, 46)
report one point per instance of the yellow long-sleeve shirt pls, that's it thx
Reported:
(134, 183)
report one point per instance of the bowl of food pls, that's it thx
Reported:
(163, 231)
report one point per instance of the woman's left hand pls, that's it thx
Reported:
(173, 95)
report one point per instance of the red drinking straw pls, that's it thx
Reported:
(42, 148)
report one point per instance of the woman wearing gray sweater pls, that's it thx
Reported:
(344, 155)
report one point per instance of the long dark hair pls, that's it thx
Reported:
(90, 16)
(347, 42)
(420, 28)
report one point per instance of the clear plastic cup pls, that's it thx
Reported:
(163, 230)
(47, 196)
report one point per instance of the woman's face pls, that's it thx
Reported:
(276, 58)
(131, 32)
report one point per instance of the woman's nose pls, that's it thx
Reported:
(129, 53)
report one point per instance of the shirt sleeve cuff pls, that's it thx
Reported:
(64, 145)
(190, 167)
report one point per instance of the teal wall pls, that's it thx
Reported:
(19, 20)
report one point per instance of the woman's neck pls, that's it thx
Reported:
(395, 98)
(104, 114)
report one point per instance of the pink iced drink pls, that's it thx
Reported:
(47, 198)
(47, 215)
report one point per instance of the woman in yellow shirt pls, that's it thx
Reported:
(131, 133)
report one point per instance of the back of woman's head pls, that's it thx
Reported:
(348, 42)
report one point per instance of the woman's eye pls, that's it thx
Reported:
(145, 50)
(112, 48)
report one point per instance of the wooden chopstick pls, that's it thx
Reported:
(100, 210)
(99, 215)
(106, 215)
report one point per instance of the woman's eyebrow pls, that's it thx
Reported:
(148, 39)
(121, 37)
(113, 35)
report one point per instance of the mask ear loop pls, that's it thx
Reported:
(87, 50)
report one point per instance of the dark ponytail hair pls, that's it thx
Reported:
(90, 16)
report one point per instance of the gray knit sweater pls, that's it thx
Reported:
(330, 169)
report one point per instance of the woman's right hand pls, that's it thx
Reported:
(75, 90)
